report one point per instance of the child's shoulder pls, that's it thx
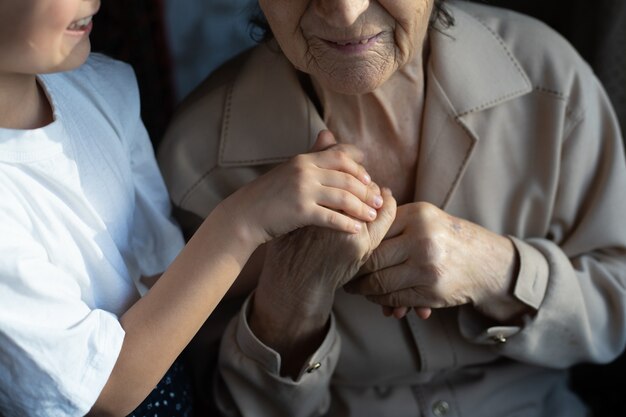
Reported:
(101, 71)
(108, 84)
(102, 67)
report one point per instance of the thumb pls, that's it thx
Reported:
(325, 139)
(386, 215)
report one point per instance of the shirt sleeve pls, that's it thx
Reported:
(249, 382)
(575, 278)
(56, 354)
(157, 239)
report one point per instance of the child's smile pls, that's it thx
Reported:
(42, 36)
(82, 25)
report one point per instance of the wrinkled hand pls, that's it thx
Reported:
(318, 261)
(430, 259)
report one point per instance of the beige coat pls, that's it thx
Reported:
(519, 137)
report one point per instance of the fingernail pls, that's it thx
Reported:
(372, 213)
(357, 227)
(378, 201)
(367, 179)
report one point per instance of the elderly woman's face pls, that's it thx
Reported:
(349, 46)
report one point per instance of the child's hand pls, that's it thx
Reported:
(327, 187)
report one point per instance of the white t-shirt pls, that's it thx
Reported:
(83, 214)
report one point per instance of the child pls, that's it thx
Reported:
(84, 214)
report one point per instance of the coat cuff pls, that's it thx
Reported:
(530, 288)
(269, 359)
(532, 280)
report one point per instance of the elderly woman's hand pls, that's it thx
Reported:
(430, 259)
(302, 271)
(322, 259)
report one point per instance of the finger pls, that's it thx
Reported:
(351, 151)
(390, 252)
(423, 312)
(373, 195)
(399, 224)
(386, 215)
(324, 140)
(331, 219)
(338, 159)
(368, 194)
(384, 281)
(346, 202)
(400, 312)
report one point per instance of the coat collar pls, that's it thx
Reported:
(473, 65)
(470, 69)
(268, 117)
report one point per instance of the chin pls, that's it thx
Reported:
(354, 87)
(354, 83)
(356, 78)
(75, 59)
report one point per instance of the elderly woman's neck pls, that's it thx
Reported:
(394, 106)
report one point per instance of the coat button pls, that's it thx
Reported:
(499, 338)
(441, 408)
(314, 367)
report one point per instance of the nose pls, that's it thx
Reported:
(341, 13)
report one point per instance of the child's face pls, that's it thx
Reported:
(41, 36)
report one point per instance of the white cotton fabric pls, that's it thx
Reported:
(83, 214)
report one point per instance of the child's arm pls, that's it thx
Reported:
(310, 189)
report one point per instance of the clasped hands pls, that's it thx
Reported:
(412, 256)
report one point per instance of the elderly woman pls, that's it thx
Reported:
(507, 165)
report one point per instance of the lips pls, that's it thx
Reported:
(362, 41)
(354, 45)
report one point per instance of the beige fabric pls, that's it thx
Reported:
(519, 137)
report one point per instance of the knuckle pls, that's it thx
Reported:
(435, 251)
(343, 159)
(373, 188)
(355, 186)
(333, 218)
(299, 160)
(299, 175)
(345, 200)
(425, 210)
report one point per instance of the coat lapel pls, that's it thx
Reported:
(444, 151)
(267, 116)
(460, 80)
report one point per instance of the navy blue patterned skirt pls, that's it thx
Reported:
(172, 397)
